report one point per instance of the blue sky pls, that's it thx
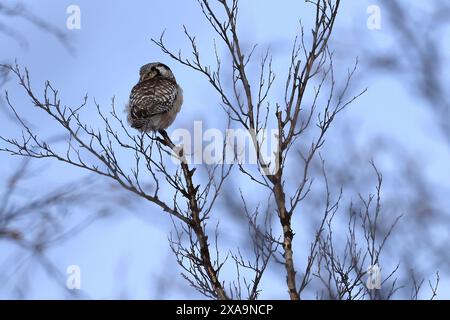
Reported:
(113, 42)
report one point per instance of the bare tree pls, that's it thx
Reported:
(32, 223)
(34, 220)
(313, 99)
(252, 111)
(418, 53)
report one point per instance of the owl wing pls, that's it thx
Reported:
(152, 97)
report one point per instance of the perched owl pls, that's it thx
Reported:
(155, 100)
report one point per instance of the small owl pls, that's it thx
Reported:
(155, 100)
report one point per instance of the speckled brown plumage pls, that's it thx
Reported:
(155, 100)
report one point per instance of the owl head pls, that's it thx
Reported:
(155, 69)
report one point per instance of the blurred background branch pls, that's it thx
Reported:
(313, 229)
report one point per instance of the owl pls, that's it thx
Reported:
(155, 100)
